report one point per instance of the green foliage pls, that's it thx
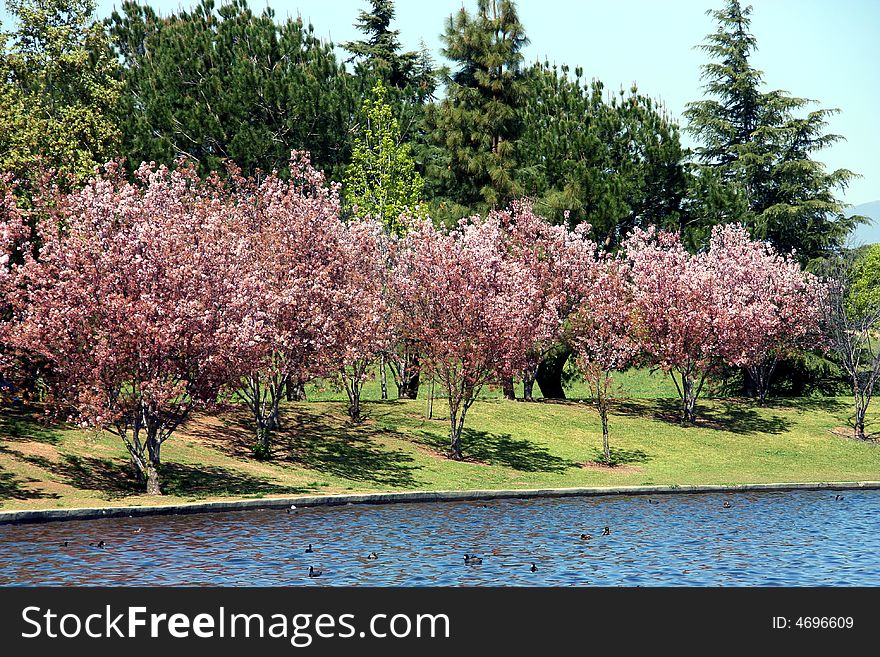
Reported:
(477, 127)
(614, 163)
(864, 277)
(211, 85)
(761, 145)
(382, 181)
(59, 92)
(380, 55)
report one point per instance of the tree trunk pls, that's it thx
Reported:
(606, 449)
(153, 487)
(151, 464)
(409, 378)
(507, 388)
(861, 411)
(528, 386)
(295, 392)
(549, 374)
(354, 403)
(689, 400)
(382, 378)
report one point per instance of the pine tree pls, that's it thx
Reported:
(760, 145)
(212, 84)
(478, 125)
(614, 162)
(380, 52)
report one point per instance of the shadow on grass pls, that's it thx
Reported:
(322, 442)
(11, 488)
(620, 456)
(502, 450)
(27, 423)
(732, 416)
(116, 480)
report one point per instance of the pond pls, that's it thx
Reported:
(801, 538)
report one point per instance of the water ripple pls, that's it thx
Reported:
(801, 538)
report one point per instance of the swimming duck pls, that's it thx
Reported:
(309, 549)
(472, 560)
(534, 568)
(372, 556)
(586, 537)
(838, 497)
(315, 573)
(66, 544)
(138, 530)
(99, 544)
(650, 501)
(726, 505)
(606, 531)
(292, 508)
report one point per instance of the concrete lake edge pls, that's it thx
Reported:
(47, 515)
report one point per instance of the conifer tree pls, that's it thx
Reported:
(223, 82)
(380, 51)
(478, 125)
(760, 144)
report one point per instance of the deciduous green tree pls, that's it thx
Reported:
(59, 92)
(381, 181)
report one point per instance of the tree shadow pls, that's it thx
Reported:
(731, 416)
(502, 450)
(620, 456)
(345, 451)
(116, 480)
(322, 442)
(27, 423)
(11, 488)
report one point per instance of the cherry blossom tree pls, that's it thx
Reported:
(125, 303)
(768, 307)
(474, 310)
(674, 296)
(289, 246)
(560, 262)
(603, 332)
(361, 318)
(13, 238)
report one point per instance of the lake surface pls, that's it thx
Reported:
(803, 538)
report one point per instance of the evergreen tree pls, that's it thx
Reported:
(478, 125)
(760, 144)
(614, 163)
(381, 181)
(380, 52)
(211, 85)
(59, 92)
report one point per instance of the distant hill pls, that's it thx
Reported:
(869, 233)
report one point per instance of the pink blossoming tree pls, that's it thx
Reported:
(603, 333)
(361, 318)
(560, 263)
(769, 308)
(288, 244)
(124, 303)
(474, 311)
(674, 298)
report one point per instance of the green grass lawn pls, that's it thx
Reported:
(506, 445)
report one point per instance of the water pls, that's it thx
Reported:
(803, 538)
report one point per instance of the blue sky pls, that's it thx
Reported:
(820, 49)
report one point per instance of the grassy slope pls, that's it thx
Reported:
(507, 444)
